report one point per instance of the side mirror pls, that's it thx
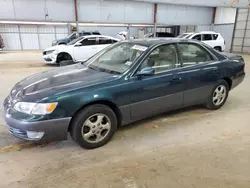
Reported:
(77, 44)
(148, 71)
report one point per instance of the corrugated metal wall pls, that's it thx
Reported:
(119, 11)
(183, 15)
(30, 37)
(241, 40)
(54, 10)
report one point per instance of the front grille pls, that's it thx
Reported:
(18, 133)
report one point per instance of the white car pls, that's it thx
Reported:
(213, 39)
(79, 49)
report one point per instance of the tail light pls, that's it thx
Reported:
(124, 35)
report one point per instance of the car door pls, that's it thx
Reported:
(199, 72)
(208, 39)
(163, 90)
(85, 49)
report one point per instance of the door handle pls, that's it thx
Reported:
(177, 78)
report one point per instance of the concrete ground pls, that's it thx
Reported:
(192, 148)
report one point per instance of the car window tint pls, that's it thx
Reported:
(73, 36)
(197, 37)
(104, 41)
(192, 54)
(96, 33)
(164, 35)
(215, 36)
(207, 37)
(89, 41)
(162, 58)
(114, 41)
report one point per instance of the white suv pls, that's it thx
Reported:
(213, 39)
(79, 49)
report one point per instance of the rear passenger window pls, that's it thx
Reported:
(192, 54)
(197, 37)
(105, 41)
(215, 36)
(207, 37)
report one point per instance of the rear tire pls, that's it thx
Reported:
(94, 126)
(63, 57)
(218, 96)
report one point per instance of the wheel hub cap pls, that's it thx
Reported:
(219, 95)
(96, 128)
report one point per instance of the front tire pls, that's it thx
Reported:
(63, 57)
(218, 96)
(94, 126)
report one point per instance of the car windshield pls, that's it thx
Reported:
(184, 35)
(74, 41)
(116, 59)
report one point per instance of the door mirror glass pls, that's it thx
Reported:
(148, 71)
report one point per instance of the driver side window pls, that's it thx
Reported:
(162, 58)
(197, 37)
(89, 41)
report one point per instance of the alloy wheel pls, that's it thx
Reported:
(96, 128)
(219, 95)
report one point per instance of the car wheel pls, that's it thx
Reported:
(63, 57)
(94, 126)
(218, 96)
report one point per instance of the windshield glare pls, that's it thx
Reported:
(74, 41)
(116, 59)
(185, 35)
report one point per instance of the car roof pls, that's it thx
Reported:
(210, 32)
(202, 32)
(154, 41)
(89, 36)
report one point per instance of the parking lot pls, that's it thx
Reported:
(193, 147)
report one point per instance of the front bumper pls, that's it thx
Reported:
(50, 58)
(54, 130)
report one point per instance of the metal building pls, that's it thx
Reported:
(33, 25)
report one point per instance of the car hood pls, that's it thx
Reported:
(55, 81)
(58, 47)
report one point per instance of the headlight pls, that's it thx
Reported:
(49, 52)
(35, 108)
